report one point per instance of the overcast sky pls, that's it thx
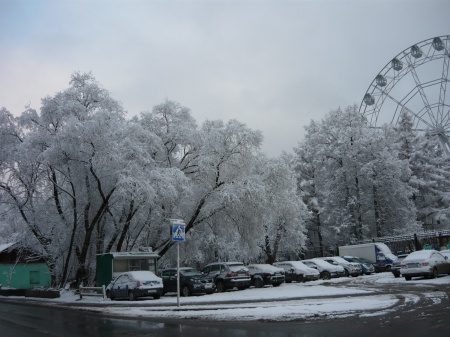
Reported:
(273, 65)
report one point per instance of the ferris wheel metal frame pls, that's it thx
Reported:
(432, 114)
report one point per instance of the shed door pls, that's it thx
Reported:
(34, 277)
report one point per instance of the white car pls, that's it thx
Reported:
(134, 284)
(326, 270)
(297, 271)
(424, 263)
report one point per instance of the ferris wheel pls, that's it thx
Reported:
(414, 81)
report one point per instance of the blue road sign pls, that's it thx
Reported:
(178, 232)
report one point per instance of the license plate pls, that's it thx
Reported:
(208, 286)
(151, 291)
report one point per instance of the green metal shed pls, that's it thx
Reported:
(19, 271)
(109, 265)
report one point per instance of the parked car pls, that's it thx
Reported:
(424, 263)
(325, 269)
(297, 271)
(379, 267)
(351, 268)
(366, 266)
(395, 269)
(265, 274)
(227, 275)
(135, 284)
(191, 281)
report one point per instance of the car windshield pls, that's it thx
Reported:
(332, 262)
(419, 255)
(339, 259)
(190, 272)
(321, 263)
(299, 265)
(445, 252)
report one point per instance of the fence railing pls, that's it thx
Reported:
(92, 291)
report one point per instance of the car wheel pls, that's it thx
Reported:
(388, 268)
(156, 297)
(408, 278)
(300, 278)
(326, 275)
(435, 273)
(185, 291)
(220, 286)
(108, 294)
(259, 283)
(131, 296)
(396, 275)
(347, 273)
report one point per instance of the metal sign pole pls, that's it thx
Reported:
(178, 274)
(178, 231)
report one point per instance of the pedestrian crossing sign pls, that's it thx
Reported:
(178, 232)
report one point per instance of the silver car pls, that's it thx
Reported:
(429, 263)
(351, 268)
(297, 271)
(326, 270)
(134, 284)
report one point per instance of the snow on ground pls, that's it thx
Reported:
(293, 301)
(279, 311)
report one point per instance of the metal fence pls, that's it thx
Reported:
(92, 291)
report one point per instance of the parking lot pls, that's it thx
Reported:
(370, 295)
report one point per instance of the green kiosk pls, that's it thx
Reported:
(111, 264)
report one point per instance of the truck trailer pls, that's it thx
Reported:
(378, 253)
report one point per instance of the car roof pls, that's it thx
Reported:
(227, 263)
(420, 254)
(338, 259)
(141, 274)
(264, 265)
(181, 268)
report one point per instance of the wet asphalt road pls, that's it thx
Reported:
(26, 321)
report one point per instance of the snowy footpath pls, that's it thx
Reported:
(337, 298)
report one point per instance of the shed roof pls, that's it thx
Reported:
(5, 246)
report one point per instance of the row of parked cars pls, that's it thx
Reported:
(222, 276)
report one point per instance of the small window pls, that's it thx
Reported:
(34, 277)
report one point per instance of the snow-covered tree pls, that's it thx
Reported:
(430, 172)
(353, 181)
